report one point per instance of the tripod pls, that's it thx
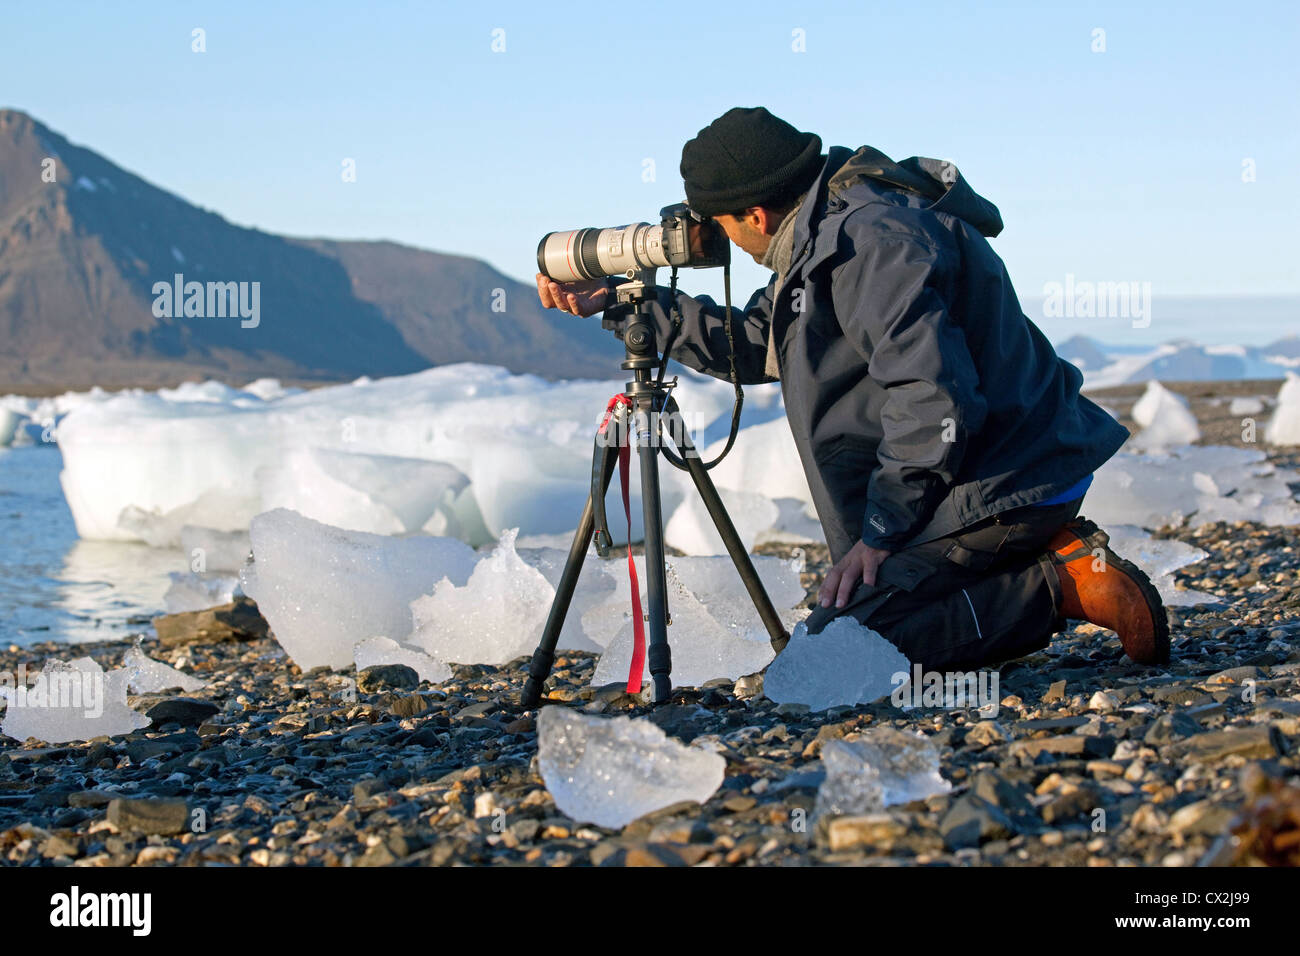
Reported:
(649, 400)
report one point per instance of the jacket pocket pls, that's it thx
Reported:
(844, 465)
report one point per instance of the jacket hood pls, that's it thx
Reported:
(937, 180)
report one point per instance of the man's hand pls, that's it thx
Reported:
(576, 298)
(859, 565)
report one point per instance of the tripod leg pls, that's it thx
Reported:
(659, 654)
(544, 657)
(735, 547)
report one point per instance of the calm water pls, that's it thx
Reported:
(53, 585)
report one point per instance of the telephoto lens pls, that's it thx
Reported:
(596, 253)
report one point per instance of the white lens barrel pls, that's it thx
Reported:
(595, 253)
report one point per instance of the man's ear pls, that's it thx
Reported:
(763, 220)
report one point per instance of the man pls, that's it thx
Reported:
(946, 445)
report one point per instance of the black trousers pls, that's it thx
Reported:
(985, 594)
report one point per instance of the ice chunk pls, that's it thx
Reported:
(148, 676)
(715, 630)
(268, 389)
(796, 523)
(1159, 558)
(69, 701)
(382, 494)
(717, 584)
(609, 771)
(691, 529)
(764, 460)
(702, 647)
(9, 422)
(1202, 482)
(1165, 419)
(844, 664)
(323, 589)
(595, 587)
(218, 509)
(196, 592)
(210, 550)
(1284, 427)
(492, 619)
(384, 650)
(1245, 405)
(882, 767)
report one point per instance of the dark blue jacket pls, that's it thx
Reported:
(921, 397)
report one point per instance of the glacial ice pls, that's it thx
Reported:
(1245, 405)
(210, 550)
(163, 453)
(1199, 483)
(610, 771)
(595, 587)
(1159, 558)
(845, 663)
(323, 589)
(9, 422)
(715, 630)
(496, 616)
(702, 647)
(691, 529)
(73, 700)
(148, 676)
(878, 769)
(381, 494)
(385, 650)
(197, 592)
(1284, 427)
(1165, 419)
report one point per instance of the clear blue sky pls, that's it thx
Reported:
(1119, 165)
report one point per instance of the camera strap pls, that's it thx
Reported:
(738, 404)
(619, 405)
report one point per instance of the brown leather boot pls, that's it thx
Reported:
(1117, 595)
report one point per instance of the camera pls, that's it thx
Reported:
(682, 239)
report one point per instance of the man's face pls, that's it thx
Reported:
(747, 232)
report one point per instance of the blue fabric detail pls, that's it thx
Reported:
(1069, 494)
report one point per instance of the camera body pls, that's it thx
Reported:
(682, 239)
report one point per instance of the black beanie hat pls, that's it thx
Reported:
(747, 156)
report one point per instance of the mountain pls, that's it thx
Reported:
(1088, 354)
(80, 257)
(1178, 361)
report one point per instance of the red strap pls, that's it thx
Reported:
(638, 622)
